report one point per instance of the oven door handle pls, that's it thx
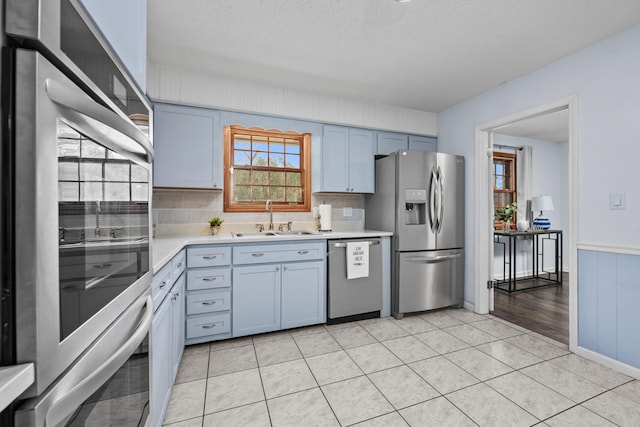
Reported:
(62, 408)
(99, 122)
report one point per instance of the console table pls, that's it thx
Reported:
(508, 239)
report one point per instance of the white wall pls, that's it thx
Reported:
(190, 87)
(605, 79)
(550, 178)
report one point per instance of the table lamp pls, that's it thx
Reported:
(541, 203)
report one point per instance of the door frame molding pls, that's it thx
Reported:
(484, 225)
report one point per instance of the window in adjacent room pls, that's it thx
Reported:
(504, 182)
(263, 165)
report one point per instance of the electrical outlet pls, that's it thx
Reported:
(347, 212)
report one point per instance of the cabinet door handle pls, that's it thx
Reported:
(179, 265)
(277, 268)
(208, 279)
(257, 254)
(163, 284)
(209, 326)
(303, 252)
(210, 257)
(284, 268)
(106, 265)
(208, 302)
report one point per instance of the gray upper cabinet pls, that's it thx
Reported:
(347, 160)
(422, 143)
(388, 143)
(124, 25)
(187, 152)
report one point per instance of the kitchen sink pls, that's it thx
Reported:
(295, 233)
(276, 233)
(264, 234)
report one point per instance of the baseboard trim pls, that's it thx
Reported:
(609, 362)
(470, 306)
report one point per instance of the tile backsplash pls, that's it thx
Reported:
(188, 212)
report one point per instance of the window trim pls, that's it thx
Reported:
(512, 159)
(305, 167)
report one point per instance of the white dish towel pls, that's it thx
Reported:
(357, 259)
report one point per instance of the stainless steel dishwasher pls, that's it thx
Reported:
(352, 299)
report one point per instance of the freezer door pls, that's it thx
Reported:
(427, 280)
(450, 201)
(415, 177)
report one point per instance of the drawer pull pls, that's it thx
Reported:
(257, 254)
(107, 265)
(210, 257)
(163, 284)
(209, 326)
(208, 302)
(209, 279)
(303, 252)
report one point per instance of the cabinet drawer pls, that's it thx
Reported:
(179, 263)
(279, 253)
(208, 256)
(208, 278)
(208, 302)
(208, 324)
(161, 284)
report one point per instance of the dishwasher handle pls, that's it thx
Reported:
(344, 244)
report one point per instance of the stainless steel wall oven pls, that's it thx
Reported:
(78, 218)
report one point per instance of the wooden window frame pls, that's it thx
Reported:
(305, 169)
(510, 158)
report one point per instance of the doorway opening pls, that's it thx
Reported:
(550, 310)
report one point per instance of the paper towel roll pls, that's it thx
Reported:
(324, 212)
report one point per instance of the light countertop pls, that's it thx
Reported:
(164, 248)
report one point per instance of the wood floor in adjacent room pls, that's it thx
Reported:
(543, 310)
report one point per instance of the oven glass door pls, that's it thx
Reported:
(103, 220)
(123, 400)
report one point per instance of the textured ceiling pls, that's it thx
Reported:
(424, 54)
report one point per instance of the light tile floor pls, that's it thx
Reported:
(447, 368)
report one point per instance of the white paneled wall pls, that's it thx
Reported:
(190, 87)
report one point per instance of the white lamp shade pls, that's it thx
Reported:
(541, 203)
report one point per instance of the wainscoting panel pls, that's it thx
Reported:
(609, 303)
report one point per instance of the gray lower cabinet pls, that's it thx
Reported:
(256, 299)
(208, 304)
(167, 334)
(278, 286)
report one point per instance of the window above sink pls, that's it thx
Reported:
(263, 165)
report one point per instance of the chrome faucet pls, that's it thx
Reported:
(269, 207)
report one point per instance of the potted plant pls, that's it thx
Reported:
(506, 214)
(215, 223)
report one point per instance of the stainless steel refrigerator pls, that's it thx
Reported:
(420, 198)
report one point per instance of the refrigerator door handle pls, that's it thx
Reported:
(441, 200)
(427, 259)
(432, 201)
